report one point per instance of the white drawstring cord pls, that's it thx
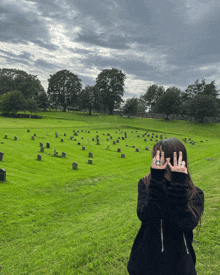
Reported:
(161, 230)
(185, 243)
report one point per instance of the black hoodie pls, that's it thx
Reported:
(163, 245)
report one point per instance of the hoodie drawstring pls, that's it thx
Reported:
(161, 232)
(185, 243)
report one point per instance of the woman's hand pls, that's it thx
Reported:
(177, 166)
(159, 162)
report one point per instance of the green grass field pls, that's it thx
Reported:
(56, 220)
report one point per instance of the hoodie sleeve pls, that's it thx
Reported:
(181, 215)
(151, 200)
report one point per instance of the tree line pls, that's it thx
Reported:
(199, 100)
(20, 91)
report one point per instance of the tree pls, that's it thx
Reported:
(89, 99)
(110, 83)
(31, 105)
(142, 105)
(169, 102)
(13, 79)
(42, 100)
(202, 106)
(152, 95)
(12, 102)
(131, 106)
(64, 88)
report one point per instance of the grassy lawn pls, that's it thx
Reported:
(56, 220)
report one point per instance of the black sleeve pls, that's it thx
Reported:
(151, 200)
(182, 216)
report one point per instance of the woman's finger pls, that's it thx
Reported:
(162, 158)
(174, 159)
(169, 164)
(180, 158)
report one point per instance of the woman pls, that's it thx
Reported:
(169, 207)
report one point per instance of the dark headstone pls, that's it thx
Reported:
(28, 130)
(117, 140)
(90, 155)
(83, 148)
(122, 155)
(57, 135)
(114, 142)
(75, 165)
(16, 138)
(1, 156)
(145, 139)
(89, 132)
(93, 139)
(137, 150)
(61, 140)
(78, 143)
(123, 138)
(32, 137)
(6, 136)
(35, 135)
(151, 139)
(89, 161)
(133, 146)
(71, 138)
(42, 149)
(110, 137)
(119, 149)
(39, 157)
(81, 130)
(81, 137)
(63, 154)
(48, 145)
(41, 144)
(2, 175)
(78, 131)
(64, 135)
(147, 148)
(75, 134)
(107, 139)
(74, 139)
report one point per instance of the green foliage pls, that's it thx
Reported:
(152, 95)
(90, 99)
(202, 106)
(169, 102)
(110, 83)
(42, 100)
(13, 79)
(63, 88)
(131, 106)
(12, 102)
(31, 105)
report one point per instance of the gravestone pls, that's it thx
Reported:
(156, 136)
(89, 161)
(75, 165)
(137, 150)
(83, 148)
(122, 155)
(78, 143)
(57, 135)
(1, 156)
(145, 139)
(64, 135)
(151, 139)
(61, 140)
(147, 148)
(110, 137)
(2, 175)
(114, 142)
(133, 146)
(35, 135)
(123, 138)
(119, 149)
(93, 139)
(39, 157)
(89, 132)
(117, 140)
(138, 136)
(118, 137)
(41, 144)
(96, 131)
(90, 155)
(81, 137)
(78, 131)
(42, 149)
(126, 145)
(75, 134)
(16, 138)
(108, 134)
(71, 138)
(48, 145)
(32, 137)
(74, 139)
(28, 130)
(6, 136)
(97, 142)
(63, 154)
(81, 130)
(107, 139)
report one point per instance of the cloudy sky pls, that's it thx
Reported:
(166, 42)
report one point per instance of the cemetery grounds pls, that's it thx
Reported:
(56, 220)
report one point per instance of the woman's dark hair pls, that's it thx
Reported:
(169, 146)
